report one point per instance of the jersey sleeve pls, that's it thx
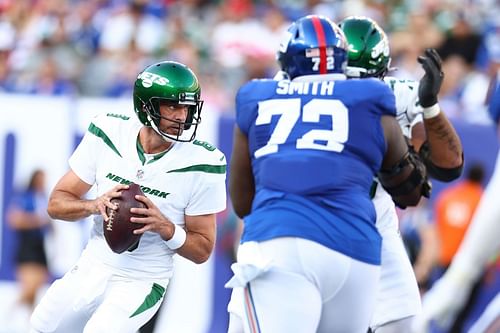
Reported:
(209, 194)
(386, 101)
(208, 199)
(244, 108)
(83, 160)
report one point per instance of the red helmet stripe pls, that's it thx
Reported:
(320, 34)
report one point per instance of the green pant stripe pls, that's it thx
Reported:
(154, 296)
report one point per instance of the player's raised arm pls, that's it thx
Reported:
(403, 174)
(441, 151)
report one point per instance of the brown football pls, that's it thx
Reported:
(118, 230)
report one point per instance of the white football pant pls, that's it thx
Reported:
(296, 285)
(92, 299)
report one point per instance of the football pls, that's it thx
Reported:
(118, 230)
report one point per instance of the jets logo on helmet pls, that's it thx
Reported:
(382, 48)
(149, 78)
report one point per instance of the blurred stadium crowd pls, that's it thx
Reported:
(95, 47)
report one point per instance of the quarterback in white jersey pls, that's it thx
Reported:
(183, 181)
(398, 297)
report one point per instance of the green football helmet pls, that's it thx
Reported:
(172, 81)
(368, 54)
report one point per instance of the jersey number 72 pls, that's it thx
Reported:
(290, 110)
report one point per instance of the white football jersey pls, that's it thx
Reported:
(189, 179)
(408, 107)
(409, 112)
(398, 295)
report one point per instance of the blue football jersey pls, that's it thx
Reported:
(315, 147)
(494, 108)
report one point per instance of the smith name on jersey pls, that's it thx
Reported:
(188, 179)
(316, 144)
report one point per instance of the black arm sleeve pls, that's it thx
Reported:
(441, 174)
(399, 187)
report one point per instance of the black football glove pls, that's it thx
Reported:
(430, 83)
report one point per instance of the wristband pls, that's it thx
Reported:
(178, 238)
(431, 111)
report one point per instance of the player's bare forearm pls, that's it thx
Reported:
(242, 201)
(444, 144)
(445, 148)
(197, 247)
(195, 241)
(241, 179)
(200, 238)
(66, 200)
(65, 206)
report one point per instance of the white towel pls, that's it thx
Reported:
(250, 264)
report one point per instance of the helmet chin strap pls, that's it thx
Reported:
(157, 130)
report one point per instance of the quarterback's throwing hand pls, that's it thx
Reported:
(430, 83)
(153, 219)
(104, 201)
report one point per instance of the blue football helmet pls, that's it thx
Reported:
(313, 45)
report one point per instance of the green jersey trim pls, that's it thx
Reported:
(154, 297)
(141, 153)
(100, 134)
(218, 169)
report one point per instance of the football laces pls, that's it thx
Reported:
(111, 217)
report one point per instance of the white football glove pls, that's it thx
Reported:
(443, 301)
